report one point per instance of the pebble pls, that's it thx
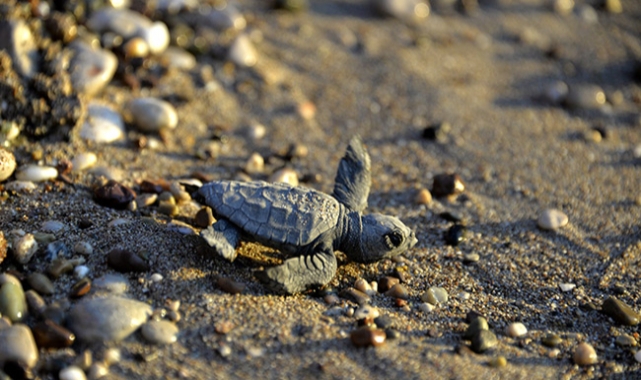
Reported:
(455, 235)
(291, 5)
(20, 186)
(435, 295)
(80, 288)
(256, 131)
(483, 341)
(423, 197)
(7, 164)
(36, 173)
(551, 340)
(150, 115)
(128, 25)
(556, 92)
(160, 332)
(398, 291)
(242, 52)
(91, 69)
(637, 356)
(447, 185)
(114, 195)
(112, 356)
(229, 286)
(362, 285)
(625, 340)
(471, 258)
(98, 371)
(178, 58)
(563, 7)
(331, 299)
(366, 311)
(35, 303)
(53, 226)
(584, 354)
(13, 303)
(108, 319)
(40, 283)
(84, 161)
(72, 373)
(204, 218)
(83, 248)
(386, 283)
(146, 199)
(307, 110)
(620, 312)
(437, 132)
(16, 39)
(498, 362)
(426, 307)
(59, 267)
(613, 6)
(285, 175)
(125, 261)
(17, 345)
(111, 283)
(566, 287)
(102, 125)
(551, 219)
(516, 330)
(476, 325)
(24, 247)
(255, 164)
(587, 13)
(223, 327)
(365, 336)
(356, 296)
(585, 97)
(224, 18)
(49, 334)
(56, 249)
(401, 9)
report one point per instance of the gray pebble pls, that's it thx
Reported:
(620, 312)
(151, 114)
(40, 283)
(483, 341)
(551, 340)
(7, 164)
(112, 283)
(16, 38)
(17, 345)
(35, 302)
(159, 332)
(83, 248)
(401, 9)
(57, 249)
(587, 13)
(585, 96)
(477, 325)
(108, 319)
(129, 24)
(228, 17)
(91, 69)
(625, 340)
(557, 92)
(102, 125)
(551, 219)
(356, 296)
(52, 226)
(13, 303)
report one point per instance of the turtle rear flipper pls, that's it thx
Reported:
(223, 237)
(353, 178)
(301, 273)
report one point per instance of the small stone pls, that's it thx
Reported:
(80, 288)
(83, 248)
(160, 332)
(563, 7)
(307, 110)
(255, 164)
(24, 247)
(204, 218)
(223, 327)
(52, 226)
(49, 334)
(146, 199)
(98, 371)
(13, 303)
(109, 319)
(35, 303)
(516, 330)
(437, 132)
(112, 283)
(242, 52)
(229, 286)
(40, 283)
(435, 295)
(551, 219)
(366, 311)
(551, 340)
(587, 13)
(20, 186)
(498, 362)
(256, 131)
(59, 267)
(423, 197)
(477, 325)
(84, 161)
(356, 296)
(362, 285)
(455, 235)
(585, 97)
(401, 9)
(625, 340)
(637, 356)
(56, 249)
(72, 373)
(18, 346)
(447, 185)
(150, 115)
(365, 336)
(136, 48)
(112, 356)
(128, 25)
(471, 258)
(36, 173)
(91, 69)
(168, 209)
(386, 283)
(125, 261)
(17, 40)
(620, 312)
(331, 299)
(398, 291)
(584, 354)
(102, 124)
(178, 58)
(224, 19)
(556, 93)
(483, 341)
(426, 307)
(566, 287)
(7, 164)
(285, 175)
(114, 195)
(613, 6)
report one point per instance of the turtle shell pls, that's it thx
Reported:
(273, 212)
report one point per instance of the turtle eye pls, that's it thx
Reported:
(394, 239)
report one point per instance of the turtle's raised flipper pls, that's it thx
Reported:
(223, 237)
(353, 178)
(301, 273)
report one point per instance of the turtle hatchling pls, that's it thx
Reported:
(304, 223)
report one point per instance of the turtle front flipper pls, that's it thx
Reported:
(224, 237)
(300, 273)
(353, 178)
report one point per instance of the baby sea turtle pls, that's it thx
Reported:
(305, 223)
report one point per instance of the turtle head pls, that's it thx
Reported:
(383, 236)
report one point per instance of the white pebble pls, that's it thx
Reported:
(72, 373)
(19, 186)
(83, 248)
(84, 161)
(516, 330)
(242, 52)
(366, 311)
(156, 277)
(256, 131)
(224, 350)
(362, 285)
(426, 307)
(81, 271)
(36, 173)
(157, 37)
(566, 287)
(552, 219)
(102, 125)
(112, 356)
(151, 114)
(285, 175)
(24, 248)
(98, 371)
(255, 164)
